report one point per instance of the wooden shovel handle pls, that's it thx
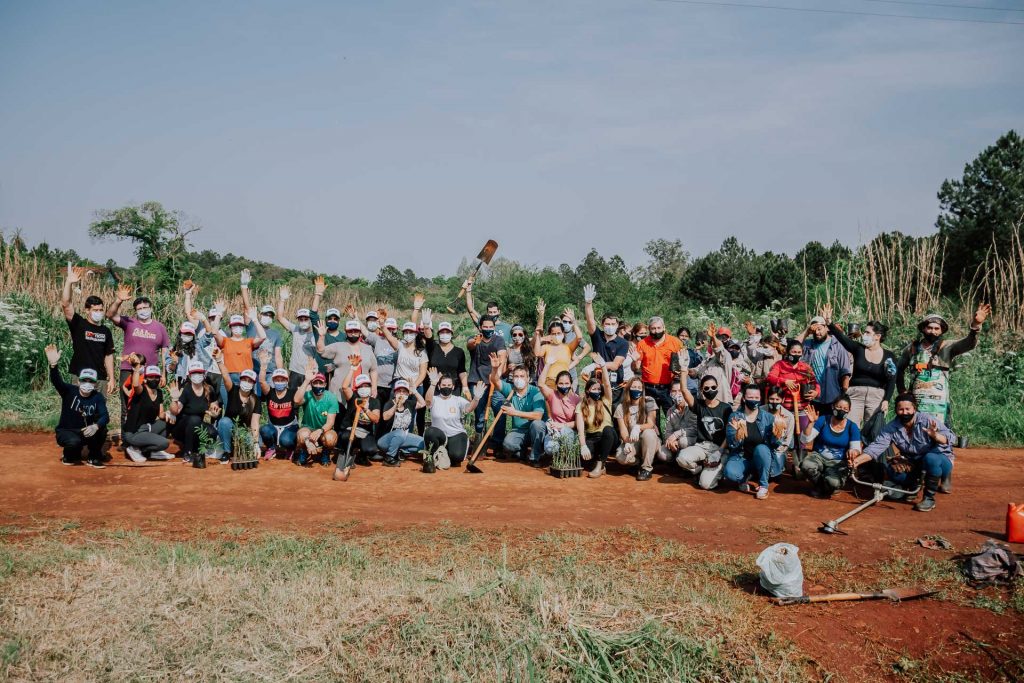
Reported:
(487, 434)
(831, 597)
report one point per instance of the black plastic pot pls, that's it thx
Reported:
(429, 468)
(566, 474)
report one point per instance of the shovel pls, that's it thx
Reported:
(344, 465)
(483, 257)
(471, 463)
(894, 594)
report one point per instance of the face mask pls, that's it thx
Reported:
(565, 390)
(196, 378)
(750, 404)
(519, 383)
(304, 325)
(868, 340)
(792, 359)
(144, 313)
(96, 316)
(596, 395)
(87, 388)
(657, 335)
(266, 320)
(610, 330)
(709, 393)
(372, 326)
(558, 337)
(280, 386)
(487, 334)
(318, 390)
(566, 325)
(676, 397)
(445, 338)
(352, 338)
(363, 392)
(735, 353)
(518, 338)
(153, 383)
(186, 338)
(906, 419)
(840, 414)
(246, 386)
(635, 393)
(409, 338)
(332, 325)
(931, 337)
(446, 391)
(237, 331)
(774, 407)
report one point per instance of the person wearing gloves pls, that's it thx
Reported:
(612, 348)
(362, 413)
(836, 441)
(196, 407)
(345, 354)
(92, 342)
(718, 363)
(317, 433)
(83, 414)
(752, 435)
(704, 458)
(281, 431)
(145, 428)
(562, 402)
(243, 408)
(524, 403)
(400, 411)
(636, 419)
(447, 411)
(273, 339)
(447, 358)
(594, 421)
(680, 426)
(553, 350)
(330, 333)
(303, 335)
(829, 361)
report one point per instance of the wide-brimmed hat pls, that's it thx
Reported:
(933, 318)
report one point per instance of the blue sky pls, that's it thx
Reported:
(344, 136)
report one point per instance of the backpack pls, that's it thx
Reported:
(994, 564)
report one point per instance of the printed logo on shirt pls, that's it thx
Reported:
(141, 333)
(712, 424)
(98, 337)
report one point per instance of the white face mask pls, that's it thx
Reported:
(372, 325)
(610, 330)
(196, 378)
(558, 337)
(144, 313)
(519, 383)
(246, 386)
(867, 339)
(363, 392)
(87, 388)
(409, 337)
(266, 320)
(186, 338)
(445, 338)
(304, 325)
(676, 397)
(96, 316)
(237, 330)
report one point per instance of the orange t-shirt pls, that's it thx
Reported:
(656, 359)
(238, 353)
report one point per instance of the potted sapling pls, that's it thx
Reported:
(565, 462)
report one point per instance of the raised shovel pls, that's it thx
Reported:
(483, 257)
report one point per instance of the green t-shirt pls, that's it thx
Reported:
(530, 402)
(315, 410)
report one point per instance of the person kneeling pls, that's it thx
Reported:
(446, 412)
(527, 408)
(836, 442)
(145, 427)
(83, 414)
(281, 432)
(753, 436)
(401, 411)
(243, 408)
(316, 435)
(357, 424)
(704, 458)
(636, 418)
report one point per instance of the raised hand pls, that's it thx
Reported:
(568, 314)
(284, 293)
(589, 293)
(468, 285)
(187, 284)
(221, 305)
(982, 314)
(495, 360)
(245, 278)
(310, 369)
(76, 274)
(216, 353)
(749, 327)
(417, 301)
(319, 286)
(175, 391)
(354, 359)
(52, 354)
(932, 429)
(350, 311)
(811, 413)
(321, 328)
(382, 315)
(826, 312)
(479, 389)
(427, 317)
(541, 307)
(124, 292)
(264, 357)
(434, 376)
(711, 333)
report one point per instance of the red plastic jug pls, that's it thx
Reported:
(1015, 523)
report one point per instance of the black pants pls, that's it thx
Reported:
(125, 374)
(149, 439)
(457, 445)
(661, 395)
(366, 445)
(295, 379)
(383, 426)
(601, 445)
(185, 432)
(72, 441)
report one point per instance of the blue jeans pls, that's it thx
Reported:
(934, 464)
(533, 435)
(399, 441)
(480, 411)
(225, 427)
(763, 463)
(551, 443)
(286, 441)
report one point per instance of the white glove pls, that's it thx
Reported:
(629, 450)
(589, 293)
(245, 278)
(479, 390)
(90, 431)
(585, 452)
(634, 433)
(600, 362)
(427, 318)
(589, 370)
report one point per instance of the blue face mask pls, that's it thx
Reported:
(318, 390)
(332, 325)
(635, 393)
(280, 386)
(596, 395)
(565, 390)
(487, 333)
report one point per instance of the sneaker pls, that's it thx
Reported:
(224, 459)
(926, 505)
(161, 455)
(391, 462)
(762, 492)
(95, 463)
(186, 458)
(270, 454)
(744, 487)
(135, 454)
(597, 471)
(946, 485)
(643, 475)
(70, 462)
(892, 495)
(536, 464)
(376, 457)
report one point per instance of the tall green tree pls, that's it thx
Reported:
(983, 206)
(160, 238)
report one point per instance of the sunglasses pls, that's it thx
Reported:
(710, 387)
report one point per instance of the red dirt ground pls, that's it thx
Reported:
(845, 638)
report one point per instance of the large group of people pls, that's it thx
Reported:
(627, 398)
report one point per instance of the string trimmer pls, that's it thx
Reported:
(832, 526)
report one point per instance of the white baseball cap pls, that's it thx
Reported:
(302, 313)
(351, 325)
(236, 320)
(213, 313)
(152, 371)
(87, 374)
(444, 326)
(362, 380)
(248, 374)
(401, 384)
(268, 309)
(409, 327)
(187, 328)
(391, 323)
(279, 372)
(332, 311)
(371, 314)
(196, 366)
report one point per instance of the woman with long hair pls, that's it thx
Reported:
(636, 418)
(594, 421)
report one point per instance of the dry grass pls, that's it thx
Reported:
(902, 279)
(1001, 280)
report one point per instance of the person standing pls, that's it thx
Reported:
(83, 414)
(303, 335)
(612, 348)
(142, 335)
(829, 361)
(553, 350)
(873, 378)
(653, 360)
(481, 348)
(502, 329)
(92, 342)
(718, 363)
(343, 354)
(447, 358)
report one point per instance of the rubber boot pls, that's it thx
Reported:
(931, 486)
(946, 485)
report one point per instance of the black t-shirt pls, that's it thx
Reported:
(193, 403)
(711, 421)
(450, 364)
(237, 409)
(610, 350)
(753, 439)
(282, 411)
(402, 420)
(142, 410)
(364, 420)
(480, 368)
(90, 345)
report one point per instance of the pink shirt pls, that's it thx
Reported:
(144, 338)
(562, 409)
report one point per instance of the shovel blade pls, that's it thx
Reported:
(487, 252)
(473, 469)
(907, 593)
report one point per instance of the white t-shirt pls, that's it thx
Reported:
(446, 414)
(409, 362)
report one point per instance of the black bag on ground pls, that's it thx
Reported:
(994, 564)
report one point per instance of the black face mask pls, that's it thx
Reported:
(318, 390)
(352, 338)
(792, 359)
(906, 419)
(657, 335)
(565, 390)
(735, 353)
(840, 414)
(487, 333)
(751, 404)
(332, 325)
(709, 393)
(930, 338)
(446, 391)
(635, 394)
(596, 395)
(153, 383)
